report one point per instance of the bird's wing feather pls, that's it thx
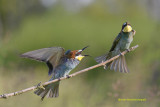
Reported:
(52, 54)
(44, 54)
(102, 58)
(55, 58)
(115, 42)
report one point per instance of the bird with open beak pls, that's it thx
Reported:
(121, 43)
(59, 62)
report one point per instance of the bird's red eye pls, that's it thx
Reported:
(78, 53)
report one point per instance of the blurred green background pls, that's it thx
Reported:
(73, 24)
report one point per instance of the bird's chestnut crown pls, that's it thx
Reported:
(76, 54)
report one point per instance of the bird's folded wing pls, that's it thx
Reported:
(116, 40)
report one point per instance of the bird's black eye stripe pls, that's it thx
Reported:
(78, 53)
(124, 24)
(123, 27)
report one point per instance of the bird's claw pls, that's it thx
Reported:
(128, 50)
(121, 54)
(40, 86)
(104, 66)
(4, 96)
(68, 76)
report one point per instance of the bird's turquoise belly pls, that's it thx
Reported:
(64, 69)
(125, 44)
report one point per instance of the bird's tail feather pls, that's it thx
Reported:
(50, 91)
(103, 58)
(119, 64)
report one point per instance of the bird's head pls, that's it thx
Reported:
(126, 27)
(76, 54)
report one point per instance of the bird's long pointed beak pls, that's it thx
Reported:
(85, 48)
(86, 55)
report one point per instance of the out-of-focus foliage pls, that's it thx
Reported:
(94, 23)
(12, 12)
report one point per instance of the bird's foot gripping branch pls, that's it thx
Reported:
(40, 86)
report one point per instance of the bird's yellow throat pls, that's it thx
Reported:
(80, 57)
(127, 28)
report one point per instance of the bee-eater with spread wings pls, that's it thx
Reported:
(59, 62)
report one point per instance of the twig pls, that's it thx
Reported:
(4, 96)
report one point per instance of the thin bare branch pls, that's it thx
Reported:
(4, 96)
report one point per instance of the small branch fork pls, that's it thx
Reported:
(5, 96)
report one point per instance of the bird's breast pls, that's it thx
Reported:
(72, 63)
(65, 67)
(125, 42)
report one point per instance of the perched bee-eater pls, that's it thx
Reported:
(121, 43)
(59, 62)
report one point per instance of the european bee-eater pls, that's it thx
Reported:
(59, 62)
(121, 43)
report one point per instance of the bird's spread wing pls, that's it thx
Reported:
(115, 42)
(50, 55)
(56, 56)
